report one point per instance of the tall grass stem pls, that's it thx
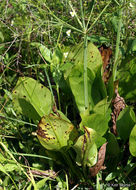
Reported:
(82, 14)
(117, 45)
(85, 74)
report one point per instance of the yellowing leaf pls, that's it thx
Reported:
(86, 149)
(32, 98)
(55, 133)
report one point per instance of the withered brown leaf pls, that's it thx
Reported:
(99, 165)
(118, 104)
(106, 54)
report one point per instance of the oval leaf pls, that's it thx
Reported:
(86, 149)
(32, 98)
(76, 55)
(125, 122)
(96, 121)
(76, 82)
(55, 133)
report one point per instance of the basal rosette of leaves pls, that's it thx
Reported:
(55, 133)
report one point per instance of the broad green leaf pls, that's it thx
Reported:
(132, 141)
(112, 146)
(76, 82)
(112, 152)
(32, 98)
(86, 149)
(75, 75)
(57, 56)
(98, 92)
(125, 123)
(96, 121)
(54, 133)
(66, 69)
(97, 138)
(96, 88)
(101, 107)
(127, 76)
(76, 56)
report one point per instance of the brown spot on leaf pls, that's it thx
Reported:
(54, 109)
(87, 132)
(41, 132)
(41, 86)
(24, 96)
(99, 165)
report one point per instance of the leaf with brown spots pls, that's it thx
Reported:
(86, 148)
(99, 165)
(55, 133)
(31, 98)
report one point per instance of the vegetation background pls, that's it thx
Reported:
(25, 27)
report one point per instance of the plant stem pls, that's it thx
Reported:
(48, 79)
(117, 45)
(59, 36)
(58, 94)
(93, 2)
(85, 74)
(47, 76)
(82, 13)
